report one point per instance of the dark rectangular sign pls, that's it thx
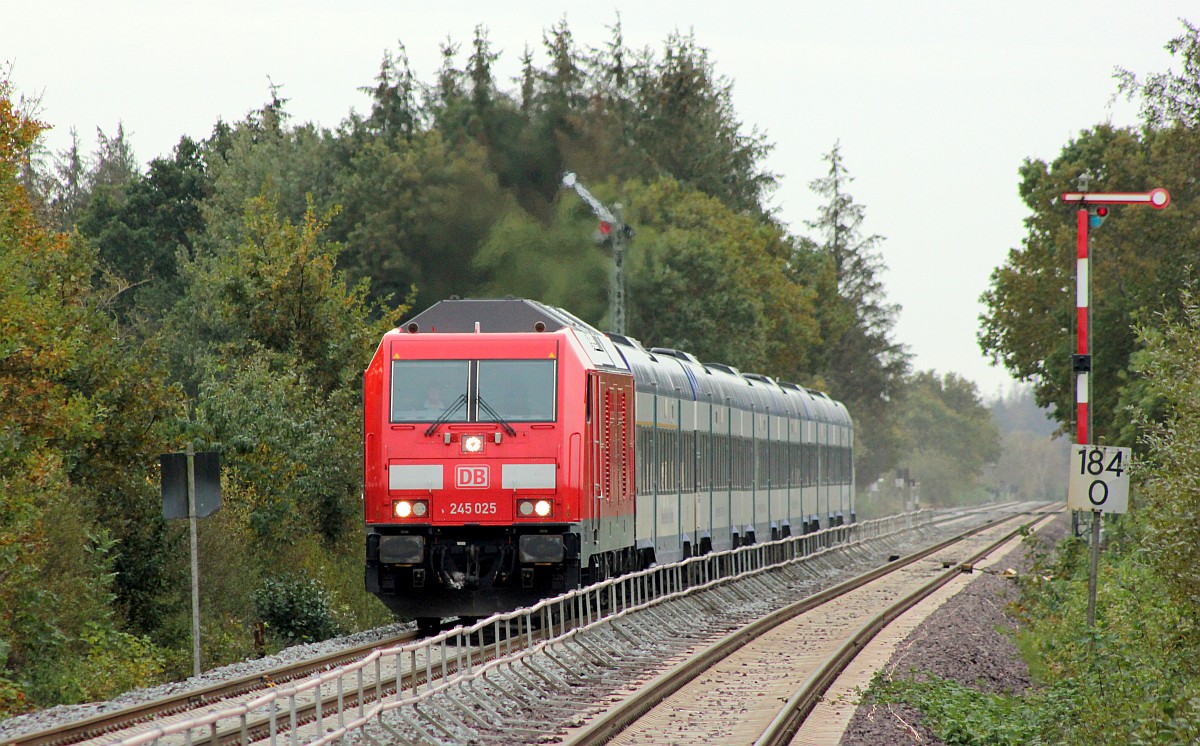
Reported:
(175, 483)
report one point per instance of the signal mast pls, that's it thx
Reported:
(613, 230)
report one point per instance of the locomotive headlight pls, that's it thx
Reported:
(472, 444)
(525, 507)
(409, 508)
(542, 508)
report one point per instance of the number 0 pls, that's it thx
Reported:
(1092, 492)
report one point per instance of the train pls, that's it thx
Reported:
(512, 451)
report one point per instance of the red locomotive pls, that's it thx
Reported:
(513, 451)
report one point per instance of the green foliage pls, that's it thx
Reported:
(296, 610)
(277, 289)
(1134, 679)
(293, 167)
(1142, 259)
(858, 360)
(1171, 98)
(289, 454)
(78, 406)
(416, 212)
(571, 272)
(950, 436)
(1171, 494)
(963, 716)
(714, 282)
(141, 225)
(686, 128)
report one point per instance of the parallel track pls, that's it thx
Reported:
(112, 726)
(625, 714)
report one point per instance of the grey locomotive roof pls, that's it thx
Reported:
(459, 316)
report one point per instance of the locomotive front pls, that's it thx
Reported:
(471, 496)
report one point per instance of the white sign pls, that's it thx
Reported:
(1099, 479)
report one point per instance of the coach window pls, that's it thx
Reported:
(423, 390)
(518, 390)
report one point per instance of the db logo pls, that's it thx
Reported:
(474, 477)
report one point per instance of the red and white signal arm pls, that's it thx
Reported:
(1099, 478)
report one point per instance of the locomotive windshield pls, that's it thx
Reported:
(514, 390)
(519, 390)
(422, 390)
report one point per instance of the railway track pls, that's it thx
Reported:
(314, 701)
(118, 724)
(758, 684)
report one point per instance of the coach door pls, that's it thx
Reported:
(595, 460)
(610, 441)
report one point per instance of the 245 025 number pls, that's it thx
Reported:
(474, 508)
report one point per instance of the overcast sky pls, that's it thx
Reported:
(936, 104)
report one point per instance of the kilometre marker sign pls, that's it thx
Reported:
(1099, 479)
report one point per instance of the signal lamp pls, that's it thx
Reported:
(525, 507)
(472, 444)
(542, 508)
(1096, 216)
(403, 509)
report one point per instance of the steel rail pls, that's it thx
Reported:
(622, 715)
(99, 725)
(260, 728)
(783, 728)
(582, 604)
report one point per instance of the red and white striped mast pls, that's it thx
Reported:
(1093, 208)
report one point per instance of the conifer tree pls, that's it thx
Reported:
(862, 365)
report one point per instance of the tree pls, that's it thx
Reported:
(277, 289)
(860, 363)
(714, 282)
(415, 215)
(685, 128)
(571, 272)
(1171, 496)
(265, 152)
(394, 108)
(80, 409)
(272, 323)
(949, 436)
(139, 228)
(1141, 260)
(1170, 98)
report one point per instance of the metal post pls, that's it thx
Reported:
(1093, 567)
(616, 289)
(1082, 318)
(1083, 321)
(613, 222)
(191, 491)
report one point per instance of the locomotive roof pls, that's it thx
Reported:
(712, 381)
(459, 316)
(513, 315)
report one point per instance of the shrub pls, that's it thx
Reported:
(296, 610)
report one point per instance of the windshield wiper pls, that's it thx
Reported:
(446, 414)
(497, 418)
